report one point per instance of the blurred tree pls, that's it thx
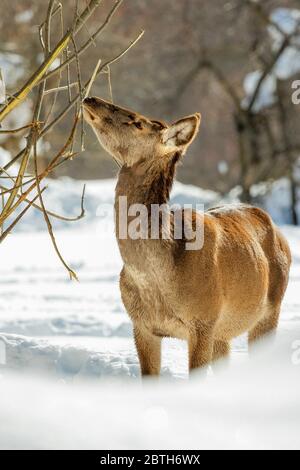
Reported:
(165, 78)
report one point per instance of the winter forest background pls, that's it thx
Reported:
(66, 348)
(195, 56)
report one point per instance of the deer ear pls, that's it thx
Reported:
(182, 133)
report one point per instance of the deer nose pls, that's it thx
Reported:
(90, 101)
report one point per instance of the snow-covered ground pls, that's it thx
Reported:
(83, 326)
(70, 375)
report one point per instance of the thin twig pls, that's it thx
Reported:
(109, 84)
(51, 213)
(18, 218)
(77, 97)
(20, 129)
(79, 81)
(48, 28)
(60, 88)
(56, 10)
(44, 174)
(37, 129)
(92, 79)
(60, 75)
(61, 115)
(70, 156)
(267, 71)
(34, 79)
(88, 43)
(36, 115)
(46, 217)
(68, 76)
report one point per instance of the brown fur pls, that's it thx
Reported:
(234, 284)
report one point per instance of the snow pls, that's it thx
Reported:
(56, 63)
(266, 95)
(251, 405)
(288, 65)
(5, 157)
(70, 374)
(12, 70)
(288, 20)
(69, 371)
(223, 167)
(2, 89)
(17, 118)
(24, 16)
(63, 196)
(12, 66)
(275, 198)
(67, 361)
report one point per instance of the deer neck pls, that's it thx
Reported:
(147, 184)
(143, 184)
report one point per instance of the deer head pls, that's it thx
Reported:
(130, 137)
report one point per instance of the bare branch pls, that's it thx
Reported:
(287, 38)
(268, 69)
(20, 129)
(47, 220)
(88, 43)
(18, 218)
(34, 79)
(21, 188)
(77, 97)
(60, 88)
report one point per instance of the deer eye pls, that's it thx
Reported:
(159, 125)
(138, 125)
(108, 120)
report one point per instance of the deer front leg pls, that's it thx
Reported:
(149, 351)
(200, 345)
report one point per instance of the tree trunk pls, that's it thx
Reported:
(294, 200)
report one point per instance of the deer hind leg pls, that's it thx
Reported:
(221, 350)
(266, 326)
(149, 351)
(200, 345)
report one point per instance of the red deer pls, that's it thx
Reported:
(234, 284)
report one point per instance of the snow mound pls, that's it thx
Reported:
(71, 325)
(68, 359)
(63, 196)
(249, 406)
(42, 357)
(61, 343)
